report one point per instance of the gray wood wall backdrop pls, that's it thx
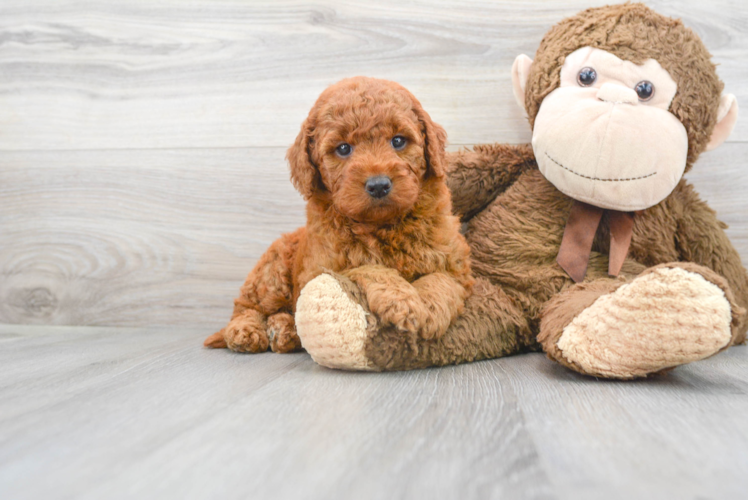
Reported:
(142, 143)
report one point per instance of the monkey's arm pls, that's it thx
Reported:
(701, 239)
(476, 177)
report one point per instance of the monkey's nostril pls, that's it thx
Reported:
(379, 186)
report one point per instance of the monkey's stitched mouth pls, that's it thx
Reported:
(600, 178)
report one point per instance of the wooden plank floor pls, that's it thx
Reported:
(92, 413)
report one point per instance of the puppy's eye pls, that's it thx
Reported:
(343, 150)
(586, 77)
(398, 142)
(645, 90)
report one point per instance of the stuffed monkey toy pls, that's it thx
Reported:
(588, 244)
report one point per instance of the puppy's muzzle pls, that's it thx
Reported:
(378, 187)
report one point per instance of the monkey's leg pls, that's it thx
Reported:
(338, 331)
(266, 292)
(667, 316)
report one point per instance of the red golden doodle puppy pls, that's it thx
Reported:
(370, 163)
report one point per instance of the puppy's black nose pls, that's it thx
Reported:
(379, 186)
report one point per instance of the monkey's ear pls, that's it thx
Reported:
(435, 139)
(727, 116)
(304, 173)
(520, 72)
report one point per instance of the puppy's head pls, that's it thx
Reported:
(367, 146)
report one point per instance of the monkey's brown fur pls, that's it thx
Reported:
(516, 218)
(404, 251)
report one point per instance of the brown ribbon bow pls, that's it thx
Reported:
(576, 245)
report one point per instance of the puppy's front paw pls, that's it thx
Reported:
(436, 324)
(399, 308)
(247, 332)
(281, 331)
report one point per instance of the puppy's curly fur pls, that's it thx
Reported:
(403, 250)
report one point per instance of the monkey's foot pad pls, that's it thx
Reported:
(662, 319)
(332, 325)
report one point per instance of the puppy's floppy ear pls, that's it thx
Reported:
(304, 173)
(435, 140)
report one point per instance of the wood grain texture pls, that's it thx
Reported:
(93, 413)
(679, 436)
(166, 237)
(142, 143)
(137, 237)
(172, 74)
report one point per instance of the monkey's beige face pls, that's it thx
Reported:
(606, 137)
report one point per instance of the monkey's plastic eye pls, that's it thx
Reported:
(645, 90)
(398, 142)
(343, 150)
(586, 77)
